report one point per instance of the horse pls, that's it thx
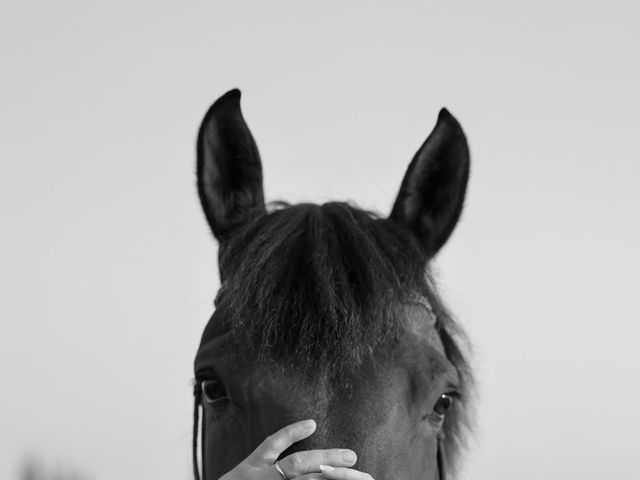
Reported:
(331, 312)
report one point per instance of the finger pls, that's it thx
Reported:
(343, 473)
(311, 476)
(309, 461)
(275, 444)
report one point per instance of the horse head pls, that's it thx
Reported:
(331, 312)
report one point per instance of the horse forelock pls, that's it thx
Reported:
(318, 283)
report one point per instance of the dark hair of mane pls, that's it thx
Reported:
(322, 284)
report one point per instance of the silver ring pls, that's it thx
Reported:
(279, 469)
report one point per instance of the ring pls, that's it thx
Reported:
(279, 469)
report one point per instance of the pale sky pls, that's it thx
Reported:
(108, 270)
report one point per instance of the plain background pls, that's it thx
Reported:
(108, 271)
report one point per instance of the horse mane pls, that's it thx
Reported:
(321, 286)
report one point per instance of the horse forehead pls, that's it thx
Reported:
(270, 376)
(287, 393)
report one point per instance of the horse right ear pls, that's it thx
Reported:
(229, 169)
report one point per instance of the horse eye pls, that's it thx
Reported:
(443, 405)
(213, 390)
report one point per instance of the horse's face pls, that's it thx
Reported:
(390, 409)
(298, 335)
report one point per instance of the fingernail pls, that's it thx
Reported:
(326, 468)
(348, 456)
(308, 424)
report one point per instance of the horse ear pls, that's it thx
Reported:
(229, 168)
(432, 192)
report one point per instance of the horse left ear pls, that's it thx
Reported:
(229, 167)
(432, 193)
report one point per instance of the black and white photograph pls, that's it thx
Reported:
(299, 240)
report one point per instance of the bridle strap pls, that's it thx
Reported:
(440, 460)
(196, 429)
(202, 443)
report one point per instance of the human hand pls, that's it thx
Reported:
(330, 464)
